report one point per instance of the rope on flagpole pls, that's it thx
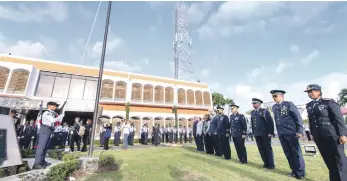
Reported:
(90, 34)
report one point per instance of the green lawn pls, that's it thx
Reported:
(186, 164)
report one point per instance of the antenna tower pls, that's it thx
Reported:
(182, 45)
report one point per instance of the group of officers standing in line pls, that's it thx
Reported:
(27, 136)
(326, 124)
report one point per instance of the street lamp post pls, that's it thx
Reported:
(101, 71)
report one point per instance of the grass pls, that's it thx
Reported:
(186, 164)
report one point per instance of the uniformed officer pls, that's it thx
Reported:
(262, 126)
(170, 133)
(175, 134)
(166, 132)
(214, 137)
(162, 133)
(223, 132)
(117, 133)
(180, 131)
(238, 128)
(289, 128)
(49, 117)
(190, 132)
(329, 132)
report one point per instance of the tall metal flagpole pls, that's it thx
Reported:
(101, 71)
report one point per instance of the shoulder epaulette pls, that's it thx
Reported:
(326, 99)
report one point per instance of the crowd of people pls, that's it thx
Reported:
(326, 125)
(214, 132)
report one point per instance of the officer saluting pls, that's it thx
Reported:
(329, 132)
(48, 118)
(239, 132)
(289, 128)
(223, 132)
(263, 130)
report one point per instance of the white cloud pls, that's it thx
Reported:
(235, 17)
(152, 29)
(112, 44)
(204, 73)
(198, 11)
(26, 48)
(122, 66)
(214, 86)
(294, 49)
(57, 11)
(145, 61)
(282, 66)
(310, 57)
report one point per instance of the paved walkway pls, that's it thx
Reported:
(33, 172)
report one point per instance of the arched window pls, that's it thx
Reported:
(159, 94)
(169, 96)
(181, 96)
(4, 73)
(207, 101)
(107, 90)
(190, 97)
(198, 98)
(148, 93)
(18, 82)
(120, 91)
(136, 93)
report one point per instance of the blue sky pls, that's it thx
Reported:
(241, 49)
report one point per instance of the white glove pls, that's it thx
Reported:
(32, 137)
(22, 137)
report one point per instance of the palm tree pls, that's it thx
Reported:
(342, 99)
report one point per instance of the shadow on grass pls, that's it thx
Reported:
(109, 173)
(252, 164)
(183, 175)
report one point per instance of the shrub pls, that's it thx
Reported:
(27, 153)
(60, 171)
(68, 157)
(106, 160)
(35, 176)
(56, 154)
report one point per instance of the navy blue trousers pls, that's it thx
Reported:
(333, 155)
(292, 150)
(265, 150)
(240, 147)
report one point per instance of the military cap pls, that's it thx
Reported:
(51, 103)
(234, 105)
(277, 92)
(256, 101)
(218, 107)
(313, 87)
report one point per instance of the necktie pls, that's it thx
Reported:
(315, 103)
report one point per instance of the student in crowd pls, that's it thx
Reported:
(107, 135)
(126, 127)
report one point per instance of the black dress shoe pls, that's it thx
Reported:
(299, 177)
(265, 166)
(38, 166)
(271, 168)
(46, 163)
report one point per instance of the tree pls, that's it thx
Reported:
(228, 101)
(342, 98)
(127, 111)
(219, 100)
(174, 110)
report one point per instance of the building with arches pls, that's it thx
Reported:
(25, 82)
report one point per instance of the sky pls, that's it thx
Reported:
(240, 49)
